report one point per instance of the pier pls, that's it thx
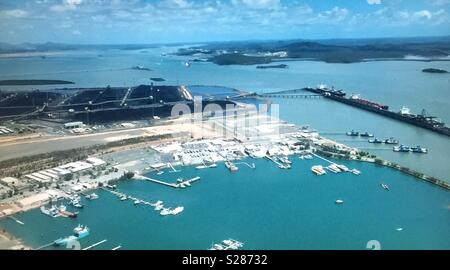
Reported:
(173, 185)
(16, 220)
(94, 245)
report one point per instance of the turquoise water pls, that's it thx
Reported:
(267, 208)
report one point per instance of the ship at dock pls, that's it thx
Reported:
(420, 120)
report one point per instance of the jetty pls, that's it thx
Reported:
(94, 245)
(173, 185)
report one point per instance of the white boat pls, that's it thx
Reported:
(333, 168)
(201, 167)
(165, 212)
(92, 196)
(187, 183)
(399, 229)
(285, 160)
(386, 187)
(177, 210)
(339, 201)
(342, 167)
(355, 172)
(124, 198)
(308, 156)
(159, 207)
(318, 170)
(136, 202)
(159, 173)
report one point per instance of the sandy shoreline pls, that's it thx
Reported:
(8, 241)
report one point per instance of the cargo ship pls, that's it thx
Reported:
(420, 120)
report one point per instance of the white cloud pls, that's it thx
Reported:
(14, 13)
(257, 4)
(374, 2)
(66, 5)
(422, 14)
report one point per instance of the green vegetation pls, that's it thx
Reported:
(273, 66)
(434, 70)
(239, 59)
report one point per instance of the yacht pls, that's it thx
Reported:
(79, 232)
(318, 170)
(177, 210)
(402, 148)
(419, 149)
(230, 165)
(366, 134)
(92, 196)
(339, 201)
(342, 167)
(375, 141)
(386, 187)
(334, 168)
(391, 141)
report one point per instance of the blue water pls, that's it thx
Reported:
(267, 208)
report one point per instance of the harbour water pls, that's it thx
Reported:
(266, 208)
(269, 208)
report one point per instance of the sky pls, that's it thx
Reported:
(172, 21)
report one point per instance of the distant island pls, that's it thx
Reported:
(157, 79)
(434, 70)
(273, 66)
(329, 51)
(238, 59)
(34, 82)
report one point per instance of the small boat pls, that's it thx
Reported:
(79, 232)
(353, 133)
(334, 168)
(399, 229)
(402, 148)
(177, 210)
(308, 156)
(187, 183)
(355, 172)
(318, 170)
(230, 165)
(160, 172)
(366, 134)
(391, 141)
(375, 141)
(285, 160)
(124, 198)
(386, 187)
(339, 202)
(92, 196)
(201, 167)
(159, 207)
(111, 186)
(342, 167)
(419, 149)
(51, 211)
(165, 212)
(136, 202)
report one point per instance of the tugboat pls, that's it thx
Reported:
(375, 141)
(419, 149)
(402, 148)
(366, 134)
(391, 141)
(353, 133)
(79, 232)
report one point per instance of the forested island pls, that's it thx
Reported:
(34, 82)
(434, 70)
